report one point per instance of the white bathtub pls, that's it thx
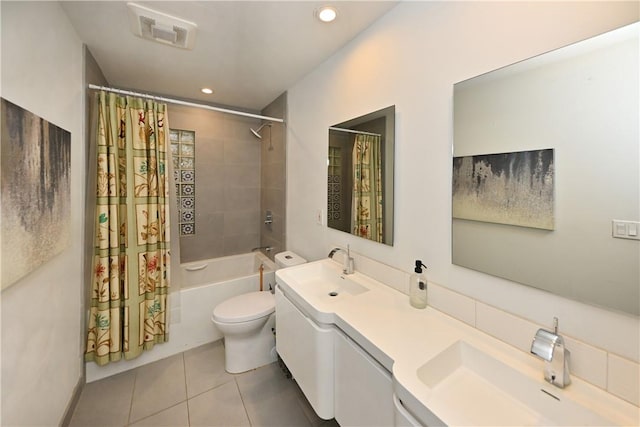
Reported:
(220, 270)
(205, 284)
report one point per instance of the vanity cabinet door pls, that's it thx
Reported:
(307, 350)
(363, 387)
(402, 417)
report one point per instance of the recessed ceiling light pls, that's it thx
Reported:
(206, 90)
(327, 13)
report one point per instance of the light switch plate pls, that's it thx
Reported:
(626, 229)
(319, 217)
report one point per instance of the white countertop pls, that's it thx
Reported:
(403, 338)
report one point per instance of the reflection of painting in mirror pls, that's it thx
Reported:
(585, 99)
(508, 188)
(36, 196)
(360, 176)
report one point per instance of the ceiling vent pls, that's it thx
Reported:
(160, 27)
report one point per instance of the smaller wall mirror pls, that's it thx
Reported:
(360, 176)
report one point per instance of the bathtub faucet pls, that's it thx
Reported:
(266, 248)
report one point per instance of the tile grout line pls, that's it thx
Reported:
(186, 389)
(210, 389)
(133, 393)
(160, 411)
(244, 406)
(186, 399)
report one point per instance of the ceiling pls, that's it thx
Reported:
(248, 52)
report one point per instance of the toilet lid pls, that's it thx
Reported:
(245, 307)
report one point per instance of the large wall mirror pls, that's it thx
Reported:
(360, 176)
(560, 129)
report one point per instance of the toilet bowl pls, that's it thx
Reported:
(246, 322)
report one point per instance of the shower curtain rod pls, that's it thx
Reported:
(354, 131)
(185, 103)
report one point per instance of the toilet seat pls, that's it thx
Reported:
(245, 307)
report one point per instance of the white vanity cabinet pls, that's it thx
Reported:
(363, 387)
(307, 349)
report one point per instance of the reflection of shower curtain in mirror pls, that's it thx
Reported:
(366, 213)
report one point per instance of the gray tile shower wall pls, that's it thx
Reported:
(274, 177)
(228, 195)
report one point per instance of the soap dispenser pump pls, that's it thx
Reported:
(418, 287)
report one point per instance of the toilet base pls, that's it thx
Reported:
(245, 352)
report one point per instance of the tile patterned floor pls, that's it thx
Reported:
(193, 389)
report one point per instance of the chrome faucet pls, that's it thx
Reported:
(347, 258)
(549, 346)
(266, 248)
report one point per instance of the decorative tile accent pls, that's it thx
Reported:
(334, 202)
(187, 202)
(187, 190)
(187, 216)
(187, 229)
(187, 176)
(183, 150)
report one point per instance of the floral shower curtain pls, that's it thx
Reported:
(131, 241)
(366, 212)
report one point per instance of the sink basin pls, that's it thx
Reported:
(470, 386)
(324, 279)
(316, 287)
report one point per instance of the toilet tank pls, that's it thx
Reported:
(288, 259)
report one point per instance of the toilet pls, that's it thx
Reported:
(247, 322)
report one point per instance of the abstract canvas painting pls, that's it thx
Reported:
(510, 188)
(35, 190)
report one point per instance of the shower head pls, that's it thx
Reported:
(257, 132)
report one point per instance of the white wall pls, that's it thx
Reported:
(411, 58)
(41, 327)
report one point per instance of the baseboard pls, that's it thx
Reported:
(75, 397)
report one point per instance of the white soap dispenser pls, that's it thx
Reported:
(418, 287)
